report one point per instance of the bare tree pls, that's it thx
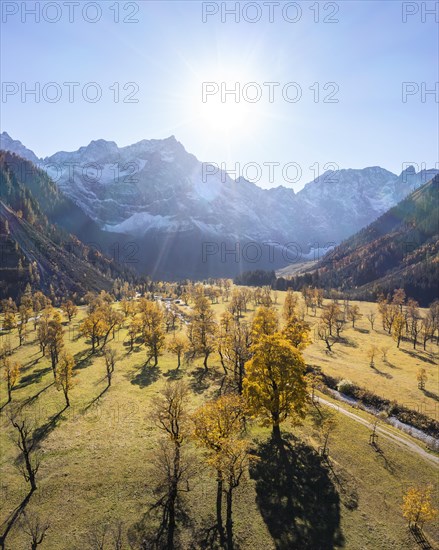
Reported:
(35, 528)
(371, 352)
(371, 318)
(105, 535)
(171, 418)
(384, 351)
(323, 334)
(353, 313)
(27, 444)
(373, 436)
(421, 377)
(111, 358)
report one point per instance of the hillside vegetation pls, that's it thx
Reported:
(399, 250)
(36, 240)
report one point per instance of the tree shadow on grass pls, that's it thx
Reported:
(382, 373)
(430, 394)
(388, 464)
(146, 377)
(347, 342)
(33, 398)
(31, 363)
(417, 355)
(202, 379)
(174, 374)
(83, 359)
(34, 377)
(296, 497)
(43, 431)
(13, 517)
(199, 381)
(390, 365)
(420, 538)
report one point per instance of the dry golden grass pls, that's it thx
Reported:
(98, 455)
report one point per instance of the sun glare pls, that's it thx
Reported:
(224, 116)
(220, 105)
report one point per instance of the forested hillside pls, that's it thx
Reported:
(35, 249)
(400, 249)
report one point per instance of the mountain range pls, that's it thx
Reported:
(398, 250)
(176, 217)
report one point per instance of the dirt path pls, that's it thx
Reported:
(385, 433)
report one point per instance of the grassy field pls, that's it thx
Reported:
(98, 455)
(394, 378)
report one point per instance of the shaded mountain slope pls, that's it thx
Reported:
(399, 249)
(36, 249)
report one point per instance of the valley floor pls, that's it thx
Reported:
(98, 456)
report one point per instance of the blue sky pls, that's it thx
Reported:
(170, 52)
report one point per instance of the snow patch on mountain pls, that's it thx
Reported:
(157, 186)
(141, 223)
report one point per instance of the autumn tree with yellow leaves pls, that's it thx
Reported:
(152, 329)
(296, 329)
(178, 345)
(398, 327)
(297, 332)
(11, 373)
(275, 385)
(172, 419)
(234, 343)
(202, 329)
(218, 427)
(94, 328)
(134, 330)
(290, 305)
(265, 323)
(421, 377)
(417, 506)
(111, 357)
(64, 375)
(55, 340)
(70, 309)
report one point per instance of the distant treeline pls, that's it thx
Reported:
(420, 283)
(259, 277)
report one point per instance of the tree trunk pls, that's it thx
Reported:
(229, 520)
(173, 498)
(206, 356)
(53, 360)
(219, 505)
(171, 520)
(222, 361)
(30, 472)
(240, 377)
(275, 434)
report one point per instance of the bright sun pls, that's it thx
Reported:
(216, 108)
(224, 117)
